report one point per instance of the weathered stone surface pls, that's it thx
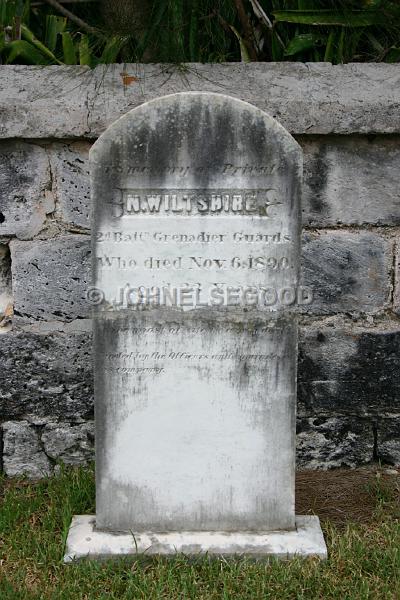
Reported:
(204, 391)
(25, 196)
(340, 186)
(46, 374)
(329, 442)
(348, 272)
(388, 439)
(70, 170)
(22, 451)
(351, 180)
(5, 281)
(73, 101)
(50, 278)
(33, 447)
(349, 370)
(346, 377)
(72, 445)
(396, 294)
(305, 98)
(85, 542)
(45, 102)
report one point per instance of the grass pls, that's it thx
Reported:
(364, 557)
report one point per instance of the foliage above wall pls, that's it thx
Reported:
(89, 32)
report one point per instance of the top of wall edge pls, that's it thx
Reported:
(311, 98)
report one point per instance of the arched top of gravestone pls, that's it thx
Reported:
(199, 188)
(205, 106)
(195, 140)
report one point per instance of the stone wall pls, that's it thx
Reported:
(347, 119)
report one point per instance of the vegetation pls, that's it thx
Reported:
(364, 558)
(89, 32)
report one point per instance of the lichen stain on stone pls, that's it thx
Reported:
(127, 79)
(318, 180)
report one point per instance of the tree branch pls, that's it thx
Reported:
(247, 29)
(264, 18)
(73, 18)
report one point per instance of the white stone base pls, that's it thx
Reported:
(85, 542)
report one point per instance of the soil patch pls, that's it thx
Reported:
(344, 495)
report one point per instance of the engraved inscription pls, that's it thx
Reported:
(188, 238)
(179, 170)
(197, 262)
(262, 202)
(157, 362)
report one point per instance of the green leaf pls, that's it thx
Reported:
(112, 49)
(194, 31)
(19, 8)
(372, 3)
(26, 13)
(177, 20)
(393, 56)
(353, 40)
(5, 17)
(340, 50)
(54, 26)
(330, 47)
(28, 36)
(346, 18)
(276, 48)
(300, 43)
(375, 43)
(392, 8)
(159, 12)
(68, 48)
(85, 55)
(26, 51)
(10, 11)
(302, 4)
(51, 32)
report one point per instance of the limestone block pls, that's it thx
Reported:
(315, 98)
(25, 196)
(5, 283)
(70, 444)
(325, 443)
(70, 169)
(349, 370)
(396, 298)
(351, 180)
(349, 272)
(339, 188)
(46, 374)
(388, 439)
(50, 278)
(45, 102)
(85, 541)
(305, 98)
(22, 452)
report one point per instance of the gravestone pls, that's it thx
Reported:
(196, 249)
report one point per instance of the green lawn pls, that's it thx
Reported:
(364, 557)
